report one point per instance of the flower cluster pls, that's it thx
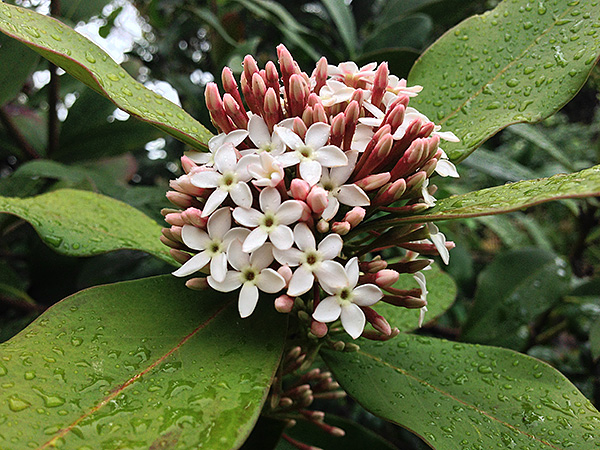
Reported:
(298, 193)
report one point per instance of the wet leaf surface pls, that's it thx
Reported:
(82, 223)
(464, 396)
(519, 62)
(138, 365)
(87, 62)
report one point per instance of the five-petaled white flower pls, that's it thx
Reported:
(312, 154)
(212, 244)
(349, 73)
(230, 178)
(312, 260)
(252, 273)
(271, 223)
(235, 138)
(333, 181)
(345, 300)
(335, 92)
(258, 132)
(265, 169)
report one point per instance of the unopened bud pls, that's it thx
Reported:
(317, 199)
(320, 74)
(286, 273)
(378, 321)
(285, 402)
(341, 228)
(351, 347)
(373, 266)
(197, 284)
(339, 346)
(179, 199)
(319, 329)
(386, 277)
(284, 303)
(355, 216)
(322, 226)
(299, 189)
(180, 256)
(372, 182)
(187, 164)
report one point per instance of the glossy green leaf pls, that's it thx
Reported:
(498, 166)
(88, 63)
(415, 33)
(81, 223)
(357, 437)
(519, 62)
(342, 17)
(17, 63)
(463, 396)
(442, 292)
(144, 364)
(509, 197)
(512, 291)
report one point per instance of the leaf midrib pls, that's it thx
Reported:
(447, 394)
(115, 392)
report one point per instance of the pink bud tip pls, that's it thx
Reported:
(197, 284)
(317, 199)
(355, 216)
(319, 329)
(213, 99)
(386, 277)
(286, 273)
(341, 228)
(187, 164)
(284, 303)
(322, 226)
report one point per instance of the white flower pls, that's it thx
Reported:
(397, 86)
(362, 137)
(422, 282)
(271, 223)
(251, 273)
(349, 72)
(377, 118)
(260, 136)
(445, 168)
(427, 197)
(335, 92)
(266, 170)
(345, 301)
(439, 240)
(228, 179)
(412, 114)
(235, 138)
(313, 260)
(333, 181)
(212, 244)
(312, 154)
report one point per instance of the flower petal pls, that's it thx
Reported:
(289, 138)
(259, 132)
(238, 233)
(225, 158)
(194, 237)
(213, 201)
(236, 137)
(263, 257)
(367, 295)
(236, 256)
(310, 171)
(247, 217)
(352, 195)
(353, 320)
(333, 205)
(194, 264)
(241, 195)
(332, 276)
(291, 256)
(331, 246)
(301, 282)
(270, 281)
(248, 299)
(232, 282)
(218, 267)
(317, 135)
(288, 159)
(304, 238)
(282, 237)
(327, 310)
(219, 223)
(255, 239)
(269, 198)
(331, 156)
(352, 271)
(289, 212)
(206, 179)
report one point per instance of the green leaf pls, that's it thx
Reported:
(519, 62)
(357, 437)
(442, 292)
(467, 396)
(512, 291)
(508, 198)
(342, 17)
(415, 32)
(81, 223)
(90, 64)
(498, 166)
(209, 17)
(17, 63)
(139, 365)
(595, 339)
(81, 10)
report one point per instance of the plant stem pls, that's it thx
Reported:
(53, 94)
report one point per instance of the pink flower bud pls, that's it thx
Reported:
(272, 76)
(386, 277)
(373, 266)
(355, 216)
(298, 95)
(317, 199)
(319, 329)
(230, 86)
(179, 199)
(299, 128)
(337, 130)
(175, 219)
(194, 217)
(179, 256)
(299, 189)
(187, 164)
(378, 321)
(239, 117)
(250, 67)
(380, 84)
(320, 74)
(372, 182)
(284, 303)
(322, 226)
(286, 273)
(216, 108)
(197, 284)
(341, 228)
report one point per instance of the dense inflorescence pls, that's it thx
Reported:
(295, 194)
